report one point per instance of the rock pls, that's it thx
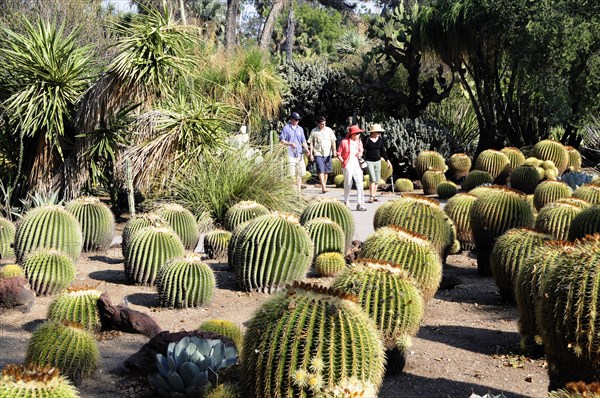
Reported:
(15, 295)
(123, 318)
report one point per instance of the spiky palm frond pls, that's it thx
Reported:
(352, 45)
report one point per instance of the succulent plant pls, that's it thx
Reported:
(508, 255)
(408, 250)
(185, 283)
(309, 340)
(589, 192)
(524, 178)
(7, 237)
(241, 212)
(96, 220)
(66, 346)
(533, 161)
(550, 191)
(338, 181)
(582, 204)
(458, 209)
(577, 389)
(575, 179)
(19, 381)
(574, 159)
(554, 151)
(150, 249)
(334, 210)
(429, 160)
(269, 252)
(459, 165)
(48, 226)
(430, 181)
(555, 219)
(495, 163)
(183, 223)
(330, 264)
(11, 271)
(49, 271)
(225, 328)
(326, 236)
(215, 243)
(476, 178)
(78, 305)
(586, 222)
(497, 210)
(185, 370)
(447, 189)
(138, 223)
(404, 185)
(514, 155)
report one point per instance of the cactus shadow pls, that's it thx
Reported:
(109, 275)
(148, 300)
(225, 279)
(32, 325)
(106, 259)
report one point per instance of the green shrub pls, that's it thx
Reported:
(183, 223)
(96, 220)
(185, 283)
(49, 271)
(32, 381)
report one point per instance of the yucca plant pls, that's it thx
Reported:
(476, 178)
(447, 189)
(430, 181)
(589, 192)
(20, 381)
(495, 163)
(555, 219)
(327, 236)
(49, 271)
(185, 283)
(333, 209)
(339, 342)
(138, 223)
(78, 305)
(404, 185)
(183, 223)
(330, 264)
(459, 165)
(241, 212)
(554, 151)
(225, 328)
(7, 237)
(586, 222)
(550, 191)
(96, 220)
(514, 155)
(429, 160)
(215, 243)
(524, 178)
(458, 209)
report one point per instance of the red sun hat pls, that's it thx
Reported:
(354, 129)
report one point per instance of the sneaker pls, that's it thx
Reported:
(347, 204)
(360, 208)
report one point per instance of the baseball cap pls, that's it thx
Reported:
(296, 116)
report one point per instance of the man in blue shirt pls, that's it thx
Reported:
(292, 136)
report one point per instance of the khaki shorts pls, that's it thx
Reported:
(296, 166)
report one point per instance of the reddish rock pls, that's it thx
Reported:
(124, 319)
(15, 295)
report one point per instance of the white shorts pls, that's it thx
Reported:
(296, 165)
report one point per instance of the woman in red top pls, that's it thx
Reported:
(349, 151)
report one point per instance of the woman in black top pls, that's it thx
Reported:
(374, 151)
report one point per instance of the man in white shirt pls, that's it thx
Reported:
(322, 143)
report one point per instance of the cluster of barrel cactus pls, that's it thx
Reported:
(333, 209)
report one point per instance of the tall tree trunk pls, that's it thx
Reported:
(233, 10)
(267, 31)
(290, 33)
(182, 10)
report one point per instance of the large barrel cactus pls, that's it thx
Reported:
(429, 160)
(334, 210)
(589, 192)
(555, 219)
(150, 249)
(336, 167)
(225, 328)
(574, 159)
(48, 226)
(459, 165)
(96, 220)
(554, 151)
(19, 381)
(458, 209)
(66, 346)
(7, 237)
(183, 223)
(330, 264)
(404, 185)
(430, 181)
(185, 283)
(496, 211)
(586, 222)
(326, 235)
(308, 342)
(269, 252)
(510, 251)
(524, 178)
(550, 191)
(241, 212)
(514, 155)
(137, 224)
(409, 251)
(215, 243)
(78, 305)
(476, 178)
(49, 271)
(386, 170)
(494, 162)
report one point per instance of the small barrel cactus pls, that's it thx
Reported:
(326, 235)
(386, 170)
(225, 328)
(336, 167)
(574, 159)
(550, 191)
(554, 151)
(586, 222)
(524, 178)
(19, 381)
(589, 192)
(288, 353)
(150, 249)
(66, 346)
(185, 283)
(509, 253)
(11, 271)
(447, 189)
(555, 219)
(575, 179)
(458, 209)
(338, 181)
(48, 226)
(476, 178)
(410, 251)
(269, 252)
(494, 162)
(459, 165)
(78, 305)
(183, 223)
(430, 181)
(7, 237)
(49, 271)
(215, 243)
(138, 223)
(333, 209)
(404, 185)
(241, 212)
(330, 264)
(96, 220)
(429, 160)
(514, 155)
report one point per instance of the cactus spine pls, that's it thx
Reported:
(309, 340)
(241, 212)
(524, 178)
(333, 209)
(137, 224)
(476, 178)
(514, 155)
(19, 381)
(447, 189)
(225, 328)
(49, 271)
(554, 151)
(96, 220)
(183, 223)
(549, 192)
(589, 192)
(430, 181)
(494, 162)
(215, 243)
(459, 165)
(7, 237)
(185, 283)
(458, 209)
(404, 185)
(78, 305)
(429, 160)
(586, 222)
(326, 235)
(330, 264)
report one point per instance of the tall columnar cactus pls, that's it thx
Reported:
(528, 284)
(183, 223)
(241, 212)
(476, 178)
(554, 151)
(78, 305)
(430, 181)
(96, 220)
(48, 226)
(66, 346)
(555, 219)
(215, 243)
(574, 159)
(225, 328)
(404, 185)
(309, 340)
(524, 178)
(185, 283)
(330, 264)
(138, 223)
(150, 249)
(326, 236)
(589, 192)
(389, 295)
(408, 250)
(496, 211)
(494, 162)
(459, 165)
(550, 191)
(19, 381)
(508, 255)
(514, 155)
(586, 222)
(269, 252)
(49, 271)
(458, 209)
(7, 237)
(567, 315)
(429, 160)
(334, 210)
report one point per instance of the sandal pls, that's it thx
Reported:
(375, 200)
(371, 200)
